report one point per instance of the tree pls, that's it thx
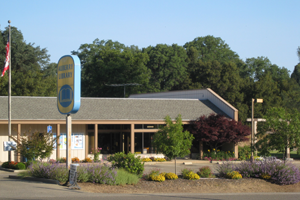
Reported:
(172, 141)
(168, 66)
(296, 73)
(298, 53)
(280, 131)
(107, 62)
(210, 48)
(217, 130)
(35, 145)
(27, 67)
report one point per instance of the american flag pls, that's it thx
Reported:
(6, 61)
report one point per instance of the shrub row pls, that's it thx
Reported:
(153, 159)
(74, 160)
(155, 175)
(13, 165)
(277, 172)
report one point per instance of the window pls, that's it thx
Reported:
(138, 138)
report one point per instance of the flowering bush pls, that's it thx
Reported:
(171, 176)
(158, 178)
(96, 153)
(52, 161)
(277, 172)
(154, 175)
(75, 160)
(265, 176)
(224, 168)
(189, 174)
(87, 160)
(12, 165)
(146, 160)
(159, 159)
(62, 160)
(94, 173)
(205, 172)
(234, 175)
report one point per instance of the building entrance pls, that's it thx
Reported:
(114, 142)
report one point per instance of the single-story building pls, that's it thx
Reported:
(113, 124)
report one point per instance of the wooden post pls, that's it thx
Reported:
(96, 137)
(201, 150)
(132, 138)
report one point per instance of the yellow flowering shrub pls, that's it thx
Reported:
(159, 159)
(146, 160)
(234, 175)
(191, 176)
(75, 160)
(163, 173)
(265, 176)
(171, 176)
(158, 178)
(87, 160)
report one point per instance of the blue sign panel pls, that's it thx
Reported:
(49, 129)
(68, 84)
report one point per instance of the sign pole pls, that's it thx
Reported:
(68, 94)
(9, 92)
(69, 135)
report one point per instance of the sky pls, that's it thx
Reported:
(251, 28)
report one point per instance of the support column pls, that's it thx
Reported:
(132, 138)
(19, 138)
(86, 144)
(57, 141)
(236, 151)
(96, 137)
(69, 141)
(201, 150)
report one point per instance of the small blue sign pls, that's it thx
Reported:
(49, 129)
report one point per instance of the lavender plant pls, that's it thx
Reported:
(279, 172)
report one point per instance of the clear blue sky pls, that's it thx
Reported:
(252, 28)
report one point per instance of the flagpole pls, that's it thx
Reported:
(9, 92)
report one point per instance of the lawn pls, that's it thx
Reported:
(280, 155)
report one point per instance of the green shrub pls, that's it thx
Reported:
(5, 165)
(128, 162)
(244, 153)
(20, 166)
(298, 151)
(205, 172)
(124, 177)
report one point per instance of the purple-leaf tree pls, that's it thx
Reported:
(216, 130)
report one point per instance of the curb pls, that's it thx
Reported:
(12, 170)
(43, 180)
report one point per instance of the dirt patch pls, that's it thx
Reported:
(250, 185)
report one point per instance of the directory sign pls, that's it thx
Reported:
(68, 84)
